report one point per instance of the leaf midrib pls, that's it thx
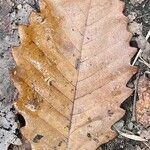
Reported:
(78, 69)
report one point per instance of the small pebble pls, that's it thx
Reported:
(130, 126)
(19, 6)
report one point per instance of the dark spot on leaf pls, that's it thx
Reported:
(60, 143)
(77, 64)
(89, 119)
(89, 135)
(110, 113)
(37, 138)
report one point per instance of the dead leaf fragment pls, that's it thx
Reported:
(73, 66)
(143, 105)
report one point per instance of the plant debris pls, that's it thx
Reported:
(143, 105)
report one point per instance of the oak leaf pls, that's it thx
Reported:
(71, 73)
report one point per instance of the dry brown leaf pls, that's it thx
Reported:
(143, 105)
(72, 70)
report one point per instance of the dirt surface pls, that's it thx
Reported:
(15, 12)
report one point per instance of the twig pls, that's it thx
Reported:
(140, 51)
(137, 56)
(131, 136)
(148, 35)
(147, 145)
(144, 62)
(135, 98)
(147, 72)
